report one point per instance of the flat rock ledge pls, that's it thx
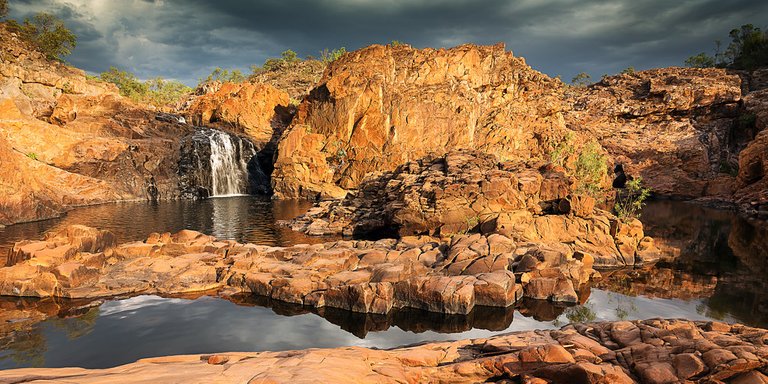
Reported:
(649, 351)
(450, 275)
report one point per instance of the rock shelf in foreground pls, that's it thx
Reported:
(440, 275)
(650, 351)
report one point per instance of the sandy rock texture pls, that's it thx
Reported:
(382, 106)
(421, 272)
(471, 191)
(649, 351)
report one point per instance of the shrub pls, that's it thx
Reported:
(581, 79)
(158, 91)
(702, 60)
(161, 92)
(631, 201)
(328, 56)
(748, 50)
(562, 150)
(126, 82)
(3, 8)
(224, 76)
(49, 35)
(396, 43)
(591, 168)
(288, 59)
(628, 71)
(32, 155)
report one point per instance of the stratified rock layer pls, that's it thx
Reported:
(675, 127)
(447, 276)
(650, 351)
(382, 106)
(465, 191)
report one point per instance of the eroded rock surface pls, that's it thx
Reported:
(382, 106)
(675, 127)
(466, 191)
(422, 272)
(650, 351)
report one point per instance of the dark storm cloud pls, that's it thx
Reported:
(187, 39)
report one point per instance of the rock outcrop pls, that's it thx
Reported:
(382, 106)
(447, 276)
(675, 127)
(466, 191)
(650, 351)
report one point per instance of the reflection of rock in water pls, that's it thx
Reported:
(23, 342)
(720, 256)
(658, 282)
(411, 320)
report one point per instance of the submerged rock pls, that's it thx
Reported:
(649, 351)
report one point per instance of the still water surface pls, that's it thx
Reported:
(719, 274)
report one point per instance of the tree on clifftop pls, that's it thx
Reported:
(49, 35)
(748, 50)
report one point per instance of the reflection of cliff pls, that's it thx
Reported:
(719, 256)
(655, 281)
(21, 338)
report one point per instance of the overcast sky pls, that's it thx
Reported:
(186, 39)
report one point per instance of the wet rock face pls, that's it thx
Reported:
(677, 127)
(382, 106)
(624, 352)
(214, 163)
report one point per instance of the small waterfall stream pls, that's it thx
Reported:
(217, 163)
(229, 167)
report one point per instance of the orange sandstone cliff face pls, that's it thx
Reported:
(675, 127)
(383, 106)
(67, 140)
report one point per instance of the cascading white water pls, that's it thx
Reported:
(217, 163)
(229, 170)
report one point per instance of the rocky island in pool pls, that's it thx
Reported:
(388, 214)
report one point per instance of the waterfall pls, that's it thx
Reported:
(229, 167)
(216, 163)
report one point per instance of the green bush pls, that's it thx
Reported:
(32, 155)
(628, 70)
(591, 168)
(288, 59)
(702, 60)
(630, 202)
(126, 82)
(328, 56)
(748, 50)
(158, 91)
(224, 76)
(49, 35)
(581, 79)
(562, 150)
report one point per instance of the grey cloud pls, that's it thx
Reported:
(186, 39)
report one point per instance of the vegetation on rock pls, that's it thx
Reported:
(225, 76)
(158, 91)
(748, 50)
(630, 202)
(591, 168)
(581, 79)
(329, 56)
(46, 33)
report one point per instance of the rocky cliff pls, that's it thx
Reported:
(383, 106)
